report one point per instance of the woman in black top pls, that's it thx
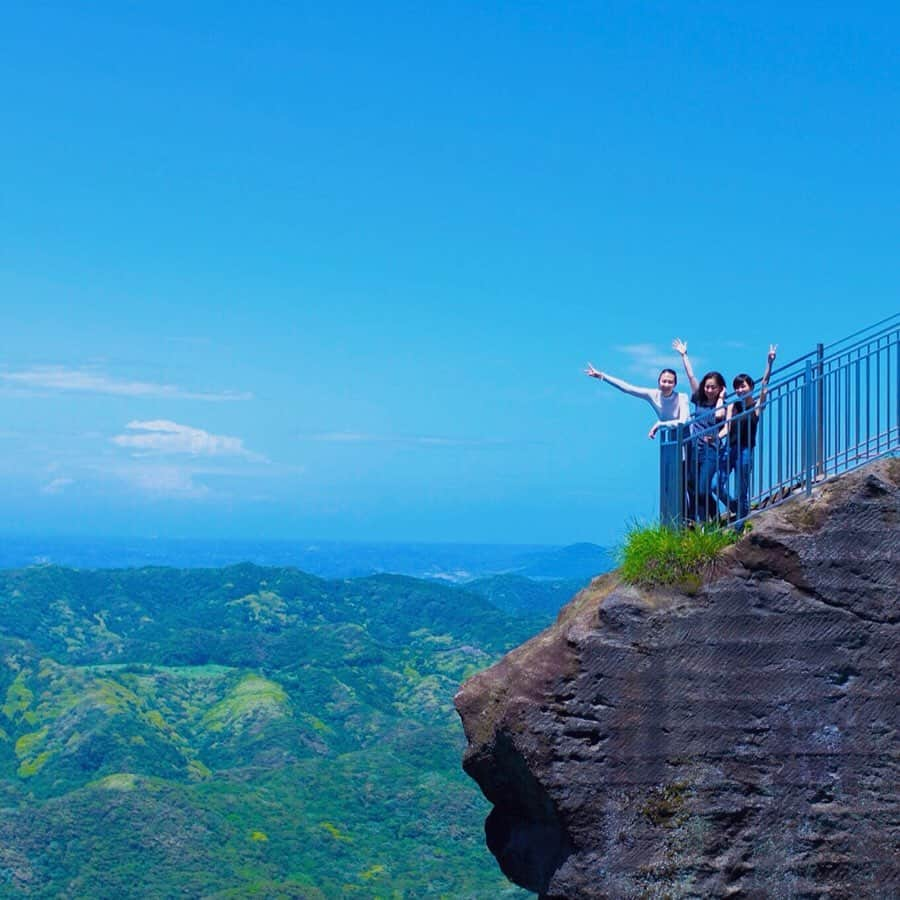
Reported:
(742, 422)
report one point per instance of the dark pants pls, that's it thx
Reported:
(740, 461)
(707, 480)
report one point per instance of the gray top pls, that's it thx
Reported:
(671, 410)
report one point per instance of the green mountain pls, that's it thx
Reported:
(579, 561)
(241, 732)
(525, 596)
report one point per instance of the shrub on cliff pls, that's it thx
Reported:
(657, 554)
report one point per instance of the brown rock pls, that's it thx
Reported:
(738, 741)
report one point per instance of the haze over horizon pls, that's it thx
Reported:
(333, 273)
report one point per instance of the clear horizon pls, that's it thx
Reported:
(455, 563)
(338, 270)
(288, 539)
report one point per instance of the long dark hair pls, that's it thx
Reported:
(699, 396)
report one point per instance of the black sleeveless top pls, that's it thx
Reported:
(742, 432)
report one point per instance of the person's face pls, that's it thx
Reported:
(710, 390)
(743, 389)
(666, 384)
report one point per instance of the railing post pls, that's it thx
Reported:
(671, 477)
(820, 411)
(897, 371)
(806, 428)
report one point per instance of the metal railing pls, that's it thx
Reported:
(825, 413)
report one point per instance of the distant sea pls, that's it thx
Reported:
(327, 559)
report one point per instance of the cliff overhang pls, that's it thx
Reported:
(738, 740)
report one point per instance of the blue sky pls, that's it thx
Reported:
(334, 270)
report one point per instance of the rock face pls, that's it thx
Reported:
(739, 740)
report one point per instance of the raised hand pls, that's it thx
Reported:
(770, 358)
(590, 370)
(679, 346)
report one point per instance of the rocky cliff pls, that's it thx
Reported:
(739, 739)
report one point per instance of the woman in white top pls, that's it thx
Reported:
(670, 406)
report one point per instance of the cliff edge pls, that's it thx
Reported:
(739, 739)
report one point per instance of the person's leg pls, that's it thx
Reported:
(707, 468)
(733, 454)
(690, 482)
(722, 473)
(743, 468)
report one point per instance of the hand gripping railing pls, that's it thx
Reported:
(825, 413)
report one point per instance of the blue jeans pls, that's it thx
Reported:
(740, 461)
(708, 466)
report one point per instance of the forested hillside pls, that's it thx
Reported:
(240, 732)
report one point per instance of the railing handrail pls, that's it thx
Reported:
(887, 325)
(832, 410)
(889, 322)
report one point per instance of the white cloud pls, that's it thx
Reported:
(638, 350)
(60, 378)
(193, 341)
(354, 437)
(57, 485)
(646, 356)
(345, 437)
(161, 436)
(166, 481)
(648, 360)
(161, 479)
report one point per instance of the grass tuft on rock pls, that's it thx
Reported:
(659, 555)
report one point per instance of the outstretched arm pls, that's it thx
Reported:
(764, 383)
(624, 386)
(680, 347)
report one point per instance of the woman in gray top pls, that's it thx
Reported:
(670, 406)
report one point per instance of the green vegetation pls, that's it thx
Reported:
(665, 806)
(658, 555)
(518, 595)
(239, 733)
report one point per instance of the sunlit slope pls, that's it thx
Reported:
(216, 730)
